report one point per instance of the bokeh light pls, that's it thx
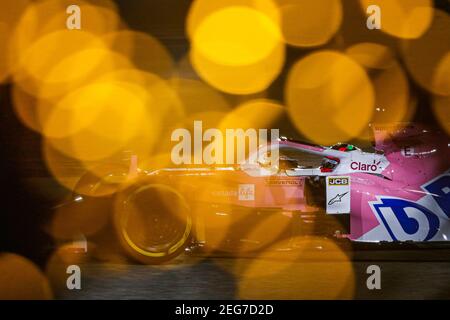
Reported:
(144, 51)
(264, 232)
(79, 69)
(354, 30)
(10, 12)
(42, 18)
(185, 70)
(241, 58)
(392, 95)
(392, 100)
(250, 38)
(441, 108)
(428, 57)
(106, 99)
(198, 102)
(25, 107)
(162, 101)
(66, 170)
(371, 55)
(43, 55)
(242, 80)
(164, 106)
(296, 273)
(201, 9)
(85, 217)
(196, 96)
(256, 114)
(57, 264)
(309, 23)
(329, 97)
(98, 120)
(406, 19)
(22, 279)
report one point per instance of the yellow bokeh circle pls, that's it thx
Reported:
(408, 19)
(250, 38)
(253, 114)
(41, 18)
(201, 9)
(310, 23)
(45, 54)
(428, 57)
(98, 120)
(329, 96)
(144, 51)
(239, 58)
(392, 93)
(22, 279)
(10, 13)
(441, 108)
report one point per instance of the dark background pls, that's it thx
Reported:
(24, 209)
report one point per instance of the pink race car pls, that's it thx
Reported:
(399, 192)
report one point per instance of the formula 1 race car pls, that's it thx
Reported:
(398, 192)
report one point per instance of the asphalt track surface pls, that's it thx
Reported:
(405, 274)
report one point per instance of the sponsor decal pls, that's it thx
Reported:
(439, 190)
(337, 198)
(360, 166)
(417, 221)
(338, 195)
(408, 152)
(338, 181)
(275, 181)
(246, 192)
(224, 193)
(407, 220)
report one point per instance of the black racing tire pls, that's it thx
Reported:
(153, 222)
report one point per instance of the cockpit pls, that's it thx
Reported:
(344, 147)
(329, 164)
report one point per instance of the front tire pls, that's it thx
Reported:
(152, 221)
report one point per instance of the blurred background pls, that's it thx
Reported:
(73, 99)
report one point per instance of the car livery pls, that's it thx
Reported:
(399, 192)
(402, 193)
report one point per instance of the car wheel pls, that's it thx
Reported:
(153, 222)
